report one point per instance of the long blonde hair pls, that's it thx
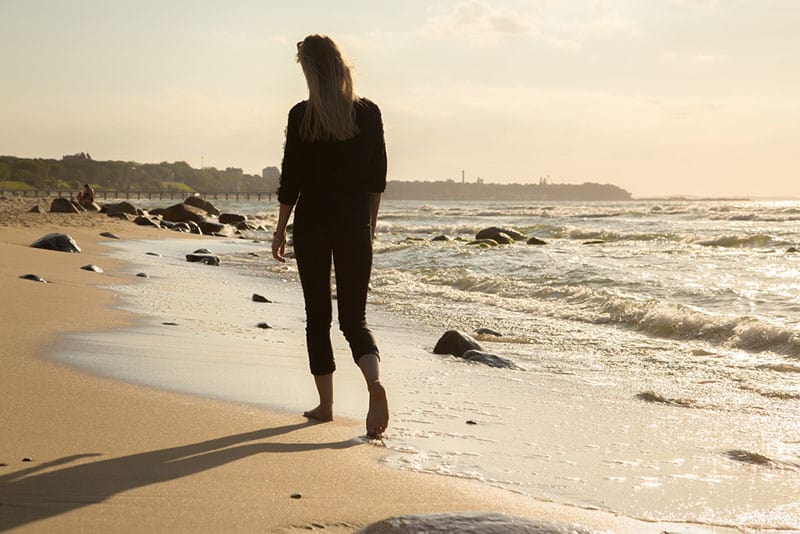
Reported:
(329, 114)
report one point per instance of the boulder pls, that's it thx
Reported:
(208, 259)
(483, 243)
(181, 213)
(260, 298)
(205, 205)
(474, 522)
(65, 205)
(194, 228)
(536, 241)
(180, 227)
(231, 218)
(147, 220)
(35, 209)
(489, 233)
(488, 332)
(492, 360)
(210, 227)
(202, 251)
(56, 241)
(792, 250)
(119, 208)
(456, 343)
(442, 238)
(33, 277)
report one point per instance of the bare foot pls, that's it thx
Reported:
(378, 414)
(320, 414)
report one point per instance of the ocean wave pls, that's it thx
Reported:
(743, 241)
(653, 317)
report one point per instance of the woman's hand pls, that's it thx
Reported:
(279, 245)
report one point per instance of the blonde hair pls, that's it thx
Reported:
(329, 114)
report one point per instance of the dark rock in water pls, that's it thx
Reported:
(442, 238)
(65, 205)
(484, 243)
(471, 422)
(594, 242)
(456, 343)
(56, 241)
(260, 298)
(473, 522)
(536, 241)
(181, 213)
(202, 251)
(33, 277)
(170, 323)
(489, 233)
(110, 235)
(153, 254)
(264, 325)
(208, 259)
(118, 209)
(35, 209)
(93, 268)
(492, 360)
(198, 202)
(488, 332)
(231, 218)
(143, 275)
(792, 250)
(181, 227)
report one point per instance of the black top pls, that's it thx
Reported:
(324, 173)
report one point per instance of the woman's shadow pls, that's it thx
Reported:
(26, 496)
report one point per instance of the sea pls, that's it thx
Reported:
(657, 345)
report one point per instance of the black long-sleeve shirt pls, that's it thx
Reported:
(333, 178)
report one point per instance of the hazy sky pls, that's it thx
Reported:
(698, 97)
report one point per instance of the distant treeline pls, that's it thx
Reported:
(71, 172)
(451, 190)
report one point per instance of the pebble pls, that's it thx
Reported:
(260, 298)
(264, 325)
(296, 496)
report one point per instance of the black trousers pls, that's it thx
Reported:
(350, 247)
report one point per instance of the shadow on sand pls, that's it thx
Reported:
(26, 496)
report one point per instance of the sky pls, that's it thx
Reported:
(661, 97)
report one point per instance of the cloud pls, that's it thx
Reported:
(478, 22)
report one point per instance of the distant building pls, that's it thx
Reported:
(235, 172)
(79, 156)
(272, 178)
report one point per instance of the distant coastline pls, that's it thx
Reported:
(72, 171)
(451, 190)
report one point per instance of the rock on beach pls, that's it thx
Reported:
(57, 241)
(456, 343)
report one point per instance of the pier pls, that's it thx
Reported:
(138, 195)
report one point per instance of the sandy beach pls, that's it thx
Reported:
(85, 453)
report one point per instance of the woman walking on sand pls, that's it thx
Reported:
(334, 170)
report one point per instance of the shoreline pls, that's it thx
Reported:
(172, 461)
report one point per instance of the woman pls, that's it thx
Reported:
(334, 170)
